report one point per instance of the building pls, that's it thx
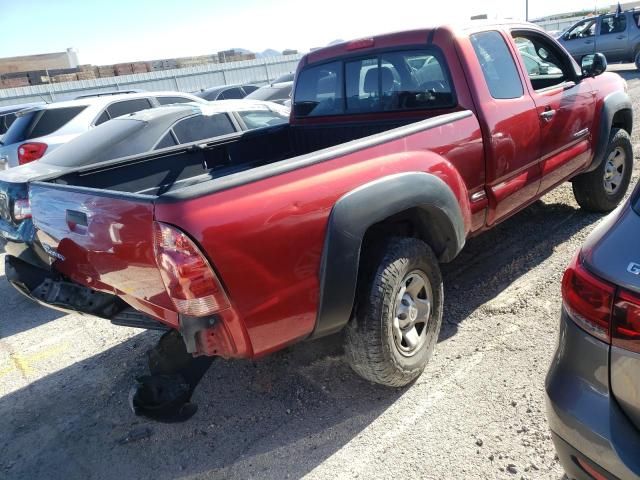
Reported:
(45, 61)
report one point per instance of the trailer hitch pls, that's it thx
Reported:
(165, 394)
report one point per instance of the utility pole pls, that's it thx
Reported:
(526, 13)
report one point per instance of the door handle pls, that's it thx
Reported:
(620, 37)
(547, 115)
(589, 42)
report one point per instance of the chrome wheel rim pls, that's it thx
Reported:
(614, 170)
(412, 312)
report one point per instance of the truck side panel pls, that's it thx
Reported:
(265, 238)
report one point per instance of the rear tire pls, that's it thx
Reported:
(398, 314)
(604, 188)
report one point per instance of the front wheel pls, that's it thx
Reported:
(604, 188)
(398, 315)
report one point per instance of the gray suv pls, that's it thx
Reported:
(593, 384)
(616, 36)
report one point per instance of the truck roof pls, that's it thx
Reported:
(409, 37)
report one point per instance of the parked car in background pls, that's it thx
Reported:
(287, 77)
(593, 384)
(275, 92)
(617, 36)
(227, 92)
(338, 220)
(8, 114)
(41, 129)
(124, 136)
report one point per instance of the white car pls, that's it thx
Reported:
(41, 129)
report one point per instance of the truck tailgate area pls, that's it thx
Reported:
(101, 241)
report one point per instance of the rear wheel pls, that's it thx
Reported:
(398, 314)
(604, 188)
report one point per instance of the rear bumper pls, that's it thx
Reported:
(51, 290)
(18, 241)
(586, 421)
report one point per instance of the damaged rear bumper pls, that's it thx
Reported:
(52, 290)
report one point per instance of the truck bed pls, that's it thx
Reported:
(163, 173)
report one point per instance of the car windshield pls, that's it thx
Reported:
(114, 139)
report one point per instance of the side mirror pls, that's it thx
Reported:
(593, 65)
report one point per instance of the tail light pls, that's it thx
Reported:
(21, 210)
(28, 152)
(588, 300)
(609, 313)
(625, 331)
(190, 281)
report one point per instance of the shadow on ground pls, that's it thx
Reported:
(278, 417)
(496, 259)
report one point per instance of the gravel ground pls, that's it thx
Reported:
(476, 413)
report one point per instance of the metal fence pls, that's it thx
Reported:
(558, 25)
(190, 79)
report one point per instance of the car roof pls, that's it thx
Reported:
(180, 110)
(5, 109)
(102, 101)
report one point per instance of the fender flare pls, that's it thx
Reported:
(363, 207)
(613, 103)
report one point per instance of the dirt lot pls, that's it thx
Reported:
(477, 412)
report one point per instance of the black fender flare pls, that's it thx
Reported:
(613, 103)
(363, 207)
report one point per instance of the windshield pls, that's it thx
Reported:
(114, 139)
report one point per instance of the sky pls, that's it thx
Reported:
(113, 31)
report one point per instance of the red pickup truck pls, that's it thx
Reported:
(399, 148)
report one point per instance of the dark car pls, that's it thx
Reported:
(617, 36)
(276, 92)
(593, 384)
(227, 92)
(137, 133)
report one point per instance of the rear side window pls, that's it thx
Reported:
(497, 64)
(613, 24)
(6, 121)
(393, 81)
(232, 93)
(167, 141)
(39, 123)
(129, 106)
(170, 100)
(201, 127)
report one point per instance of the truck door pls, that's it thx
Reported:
(565, 104)
(613, 37)
(510, 125)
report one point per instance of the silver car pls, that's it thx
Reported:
(39, 130)
(593, 384)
